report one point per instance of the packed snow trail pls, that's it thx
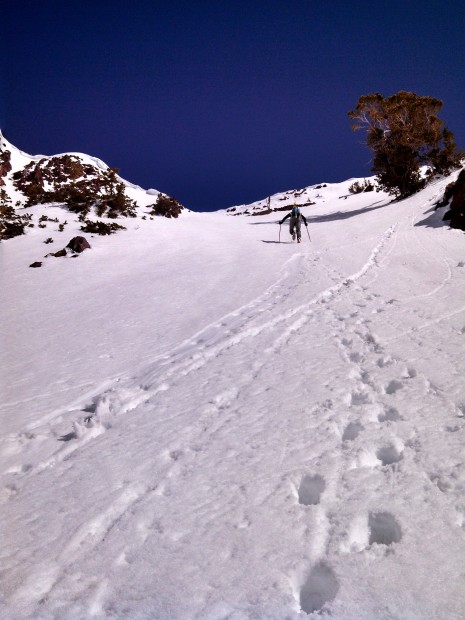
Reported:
(300, 455)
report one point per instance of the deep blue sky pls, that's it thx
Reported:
(221, 103)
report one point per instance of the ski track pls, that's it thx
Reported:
(197, 351)
(369, 444)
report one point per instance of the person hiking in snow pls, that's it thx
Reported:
(294, 223)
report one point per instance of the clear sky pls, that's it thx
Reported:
(221, 103)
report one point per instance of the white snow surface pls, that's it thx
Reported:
(201, 423)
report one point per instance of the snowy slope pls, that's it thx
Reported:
(307, 196)
(199, 422)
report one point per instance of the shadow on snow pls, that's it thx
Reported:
(345, 215)
(433, 219)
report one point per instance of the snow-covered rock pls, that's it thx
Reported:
(79, 183)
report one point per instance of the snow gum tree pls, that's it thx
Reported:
(405, 133)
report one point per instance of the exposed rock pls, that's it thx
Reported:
(56, 171)
(78, 244)
(62, 252)
(36, 264)
(448, 193)
(81, 186)
(456, 213)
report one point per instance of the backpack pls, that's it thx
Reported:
(295, 212)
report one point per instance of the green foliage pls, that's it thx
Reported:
(358, 188)
(101, 228)
(404, 132)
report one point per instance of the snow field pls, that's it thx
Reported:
(288, 447)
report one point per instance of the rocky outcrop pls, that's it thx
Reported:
(55, 171)
(78, 244)
(455, 195)
(58, 254)
(81, 186)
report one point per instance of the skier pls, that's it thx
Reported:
(294, 223)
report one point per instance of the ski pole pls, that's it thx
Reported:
(306, 228)
(279, 234)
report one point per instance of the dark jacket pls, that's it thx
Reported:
(290, 214)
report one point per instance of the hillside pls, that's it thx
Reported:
(92, 192)
(201, 422)
(305, 197)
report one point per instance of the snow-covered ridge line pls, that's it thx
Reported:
(305, 197)
(20, 158)
(6, 145)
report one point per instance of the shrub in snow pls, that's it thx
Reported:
(54, 171)
(166, 206)
(117, 203)
(11, 223)
(78, 198)
(45, 218)
(67, 179)
(101, 228)
(5, 165)
(358, 188)
(405, 133)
